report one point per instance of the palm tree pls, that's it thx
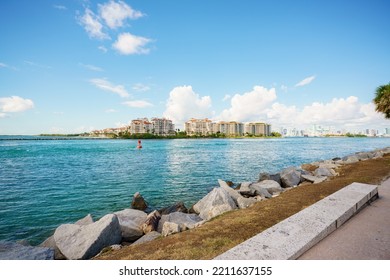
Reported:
(382, 100)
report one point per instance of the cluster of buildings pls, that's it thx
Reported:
(193, 127)
(156, 126)
(207, 127)
(204, 127)
(321, 130)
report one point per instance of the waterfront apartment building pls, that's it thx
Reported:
(162, 126)
(140, 126)
(157, 126)
(204, 127)
(230, 128)
(258, 129)
(199, 127)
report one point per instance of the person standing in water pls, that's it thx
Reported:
(139, 145)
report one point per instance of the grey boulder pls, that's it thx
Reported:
(233, 193)
(170, 228)
(216, 202)
(313, 179)
(350, 159)
(270, 185)
(15, 251)
(83, 242)
(244, 202)
(267, 176)
(177, 207)
(185, 221)
(246, 190)
(364, 155)
(258, 189)
(147, 237)
(323, 171)
(87, 220)
(51, 243)
(131, 221)
(290, 177)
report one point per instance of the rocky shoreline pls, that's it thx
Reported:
(85, 239)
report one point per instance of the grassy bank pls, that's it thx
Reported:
(232, 228)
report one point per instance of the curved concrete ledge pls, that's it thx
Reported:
(295, 235)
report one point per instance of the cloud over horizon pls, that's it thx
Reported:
(14, 104)
(183, 103)
(249, 106)
(261, 104)
(338, 112)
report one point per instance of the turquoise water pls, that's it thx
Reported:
(46, 183)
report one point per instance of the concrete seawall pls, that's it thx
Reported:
(295, 235)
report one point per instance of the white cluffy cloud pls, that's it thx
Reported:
(108, 86)
(338, 112)
(131, 44)
(114, 13)
(15, 104)
(261, 104)
(305, 81)
(184, 103)
(249, 106)
(110, 16)
(138, 104)
(91, 23)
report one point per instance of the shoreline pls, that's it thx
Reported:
(268, 200)
(184, 245)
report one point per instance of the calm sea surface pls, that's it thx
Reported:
(46, 183)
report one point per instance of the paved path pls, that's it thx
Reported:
(293, 236)
(365, 236)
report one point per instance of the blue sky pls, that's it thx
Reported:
(75, 65)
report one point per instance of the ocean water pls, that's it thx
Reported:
(46, 183)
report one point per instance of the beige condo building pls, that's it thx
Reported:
(204, 127)
(162, 126)
(199, 127)
(258, 129)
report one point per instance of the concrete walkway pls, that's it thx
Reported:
(366, 236)
(295, 235)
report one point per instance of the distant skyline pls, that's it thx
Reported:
(75, 66)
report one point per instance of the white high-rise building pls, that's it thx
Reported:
(258, 129)
(140, 126)
(199, 127)
(162, 126)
